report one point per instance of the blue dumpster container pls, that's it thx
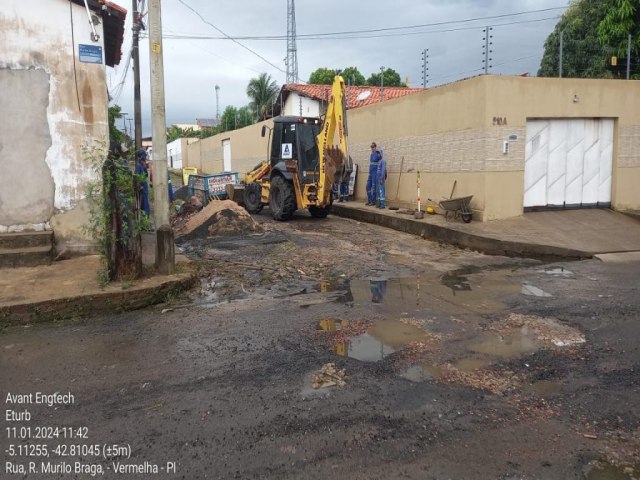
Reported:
(209, 187)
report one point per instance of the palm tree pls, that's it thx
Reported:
(263, 92)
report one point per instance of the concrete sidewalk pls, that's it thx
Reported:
(559, 234)
(70, 288)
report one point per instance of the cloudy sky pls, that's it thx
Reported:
(333, 34)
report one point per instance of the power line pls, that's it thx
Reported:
(187, 36)
(223, 58)
(437, 24)
(341, 35)
(231, 38)
(481, 69)
(120, 85)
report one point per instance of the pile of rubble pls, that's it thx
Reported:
(550, 332)
(328, 376)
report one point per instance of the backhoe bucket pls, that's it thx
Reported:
(335, 164)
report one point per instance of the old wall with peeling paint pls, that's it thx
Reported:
(54, 107)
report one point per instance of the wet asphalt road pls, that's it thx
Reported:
(458, 365)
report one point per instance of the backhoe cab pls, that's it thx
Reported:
(302, 162)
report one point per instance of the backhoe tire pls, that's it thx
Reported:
(252, 197)
(319, 212)
(282, 198)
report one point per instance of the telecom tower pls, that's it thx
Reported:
(217, 105)
(292, 50)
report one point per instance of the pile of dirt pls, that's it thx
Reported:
(219, 217)
(233, 222)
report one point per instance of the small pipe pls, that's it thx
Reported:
(95, 37)
(418, 178)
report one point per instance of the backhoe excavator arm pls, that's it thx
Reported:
(257, 173)
(332, 157)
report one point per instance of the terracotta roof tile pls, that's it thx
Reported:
(357, 96)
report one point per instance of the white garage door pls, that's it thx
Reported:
(568, 162)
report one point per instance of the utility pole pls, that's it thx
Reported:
(560, 56)
(381, 84)
(165, 248)
(425, 69)
(124, 121)
(135, 54)
(217, 105)
(629, 57)
(487, 43)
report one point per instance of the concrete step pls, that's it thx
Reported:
(25, 257)
(26, 239)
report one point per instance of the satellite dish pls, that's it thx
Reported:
(363, 95)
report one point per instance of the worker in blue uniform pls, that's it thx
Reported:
(381, 177)
(372, 182)
(142, 170)
(378, 289)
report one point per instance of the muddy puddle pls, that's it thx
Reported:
(543, 388)
(422, 350)
(380, 339)
(453, 292)
(430, 327)
(558, 271)
(602, 470)
(515, 344)
(465, 350)
(214, 291)
(469, 289)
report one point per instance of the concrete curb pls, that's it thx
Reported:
(635, 214)
(439, 233)
(133, 298)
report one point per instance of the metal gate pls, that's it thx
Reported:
(568, 162)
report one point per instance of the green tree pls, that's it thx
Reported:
(174, 132)
(589, 39)
(263, 92)
(325, 76)
(353, 75)
(622, 18)
(207, 132)
(322, 76)
(115, 135)
(391, 79)
(245, 117)
(228, 120)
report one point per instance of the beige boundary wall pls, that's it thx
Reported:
(248, 149)
(455, 133)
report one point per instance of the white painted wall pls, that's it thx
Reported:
(174, 154)
(310, 107)
(226, 155)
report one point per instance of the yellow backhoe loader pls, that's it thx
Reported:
(302, 164)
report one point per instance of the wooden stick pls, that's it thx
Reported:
(399, 177)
